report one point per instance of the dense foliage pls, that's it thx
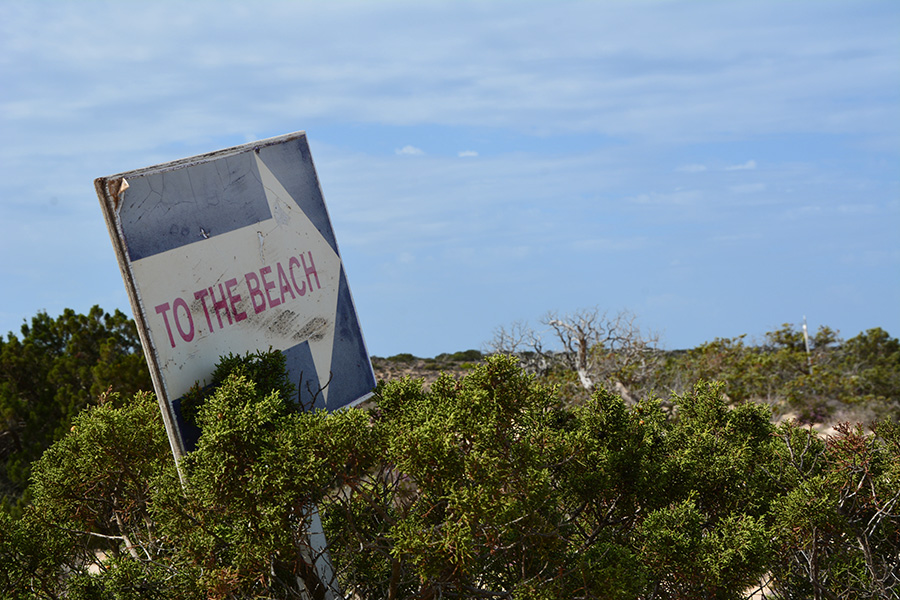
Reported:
(58, 367)
(859, 377)
(483, 487)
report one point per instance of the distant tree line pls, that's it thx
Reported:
(834, 379)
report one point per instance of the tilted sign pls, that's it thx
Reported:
(233, 252)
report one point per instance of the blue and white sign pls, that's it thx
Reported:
(234, 252)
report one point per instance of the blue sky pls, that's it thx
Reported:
(718, 168)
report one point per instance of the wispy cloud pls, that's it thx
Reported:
(676, 198)
(589, 118)
(750, 165)
(409, 151)
(692, 168)
(592, 74)
(748, 188)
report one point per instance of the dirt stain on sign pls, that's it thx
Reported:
(285, 324)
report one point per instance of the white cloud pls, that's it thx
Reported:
(676, 198)
(858, 209)
(693, 168)
(625, 244)
(731, 238)
(467, 153)
(748, 188)
(590, 75)
(409, 151)
(747, 166)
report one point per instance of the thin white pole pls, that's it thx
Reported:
(806, 341)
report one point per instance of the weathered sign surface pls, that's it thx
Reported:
(234, 252)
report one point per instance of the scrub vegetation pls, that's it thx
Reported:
(648, 475)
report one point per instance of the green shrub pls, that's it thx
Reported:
(403, 357)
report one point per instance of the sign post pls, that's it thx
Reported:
(234, 252)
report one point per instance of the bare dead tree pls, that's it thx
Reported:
(511, 340)
(604, 349)
(523, 342)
